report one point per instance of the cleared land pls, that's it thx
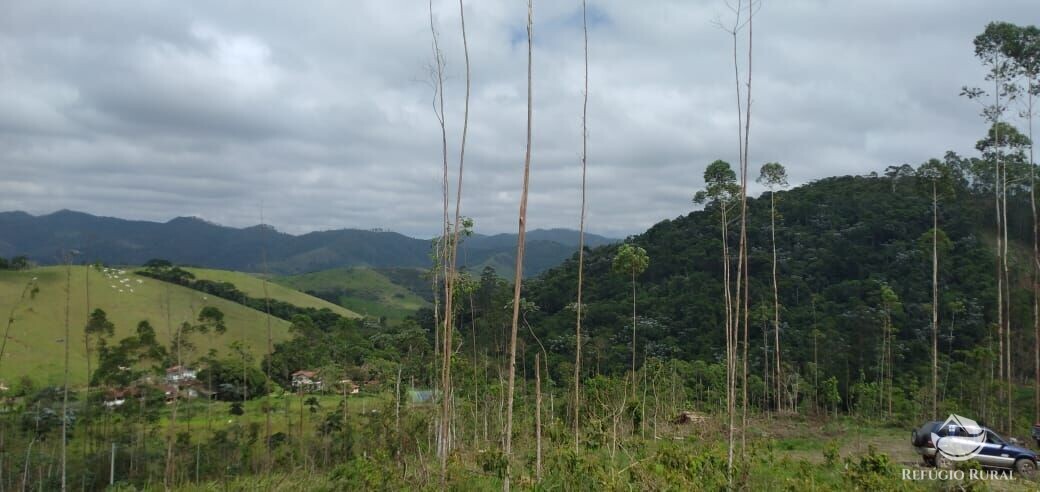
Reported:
(35, 345)
(365, 291)
(253, 286)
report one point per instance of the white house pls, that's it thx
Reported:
(307, 381)
(180, 374)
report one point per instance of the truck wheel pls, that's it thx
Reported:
(1025, 466)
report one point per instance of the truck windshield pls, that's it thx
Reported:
(993, 438)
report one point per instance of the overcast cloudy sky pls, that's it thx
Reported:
(321, 110)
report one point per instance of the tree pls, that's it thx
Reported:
(19, 263)
(774, 176)
(67, 258)
(98, 328)
(990, 47)
(1004, 147)
(889, 303)
(519, 271)
(209, 318)
(581, 234)
(631, 260)
(721, 190)
(831, 396)
(938, 178)
(1024, 49)
(29, 292)
(744, 14)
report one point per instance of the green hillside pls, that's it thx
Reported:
(373, 292)
(253, 286)
(34, 348)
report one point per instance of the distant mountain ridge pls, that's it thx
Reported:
(194, 241)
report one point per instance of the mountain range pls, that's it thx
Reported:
(194, 241)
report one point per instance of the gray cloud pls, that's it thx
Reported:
(322, 112)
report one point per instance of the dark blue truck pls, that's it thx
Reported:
(993, 451)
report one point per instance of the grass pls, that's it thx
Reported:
(675, 461)
(204, 416)
(253, 286)
(363, 290)
(35, 347)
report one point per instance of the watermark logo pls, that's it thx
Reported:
(963, 438)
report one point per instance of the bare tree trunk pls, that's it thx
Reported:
(476, 374)
(65, 379)
(538, 415)
(776, 300)
(766, 382)
(270, 351)
(633, 333)
(733, 323)
(519, 272)
(442, 252)
(743, 264)
(86, 346)
(935, 301)
(891, 362)
(581, 237)
(450, 275)
(1000, 226)
(397, 403)
(171, 432)
(1036, 264)
(816, 362)
(1007, 300)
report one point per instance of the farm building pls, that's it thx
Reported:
(307, 381)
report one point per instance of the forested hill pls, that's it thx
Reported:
(838, 241)
(193, 241)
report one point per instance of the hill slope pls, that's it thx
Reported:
(193, 241)
(368, 291)
(838, 241)
(34, 348)
(253, 286)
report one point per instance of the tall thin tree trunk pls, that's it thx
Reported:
(168, 477)
(451, 264)
(935, 301)
(766, 382)
(816, 361)
(476, 374)
(633, 333)
(581, 236)
(518, 276)
(1007, 300)
(776, 301)
(86, 346)
(734, 307)
(1036, 262)
(743, 262)
(442, 252)
(270, 351)
(1000, 227)
(538, 415)
(65, 379)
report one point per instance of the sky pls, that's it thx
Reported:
(318, 115)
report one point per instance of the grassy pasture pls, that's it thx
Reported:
(35, 345)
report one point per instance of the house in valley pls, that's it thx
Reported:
(306, 381)
(180, 375)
